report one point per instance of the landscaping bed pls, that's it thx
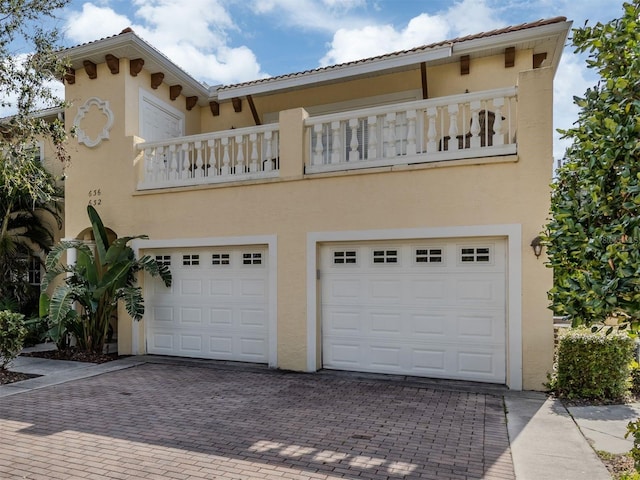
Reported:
(72, 354)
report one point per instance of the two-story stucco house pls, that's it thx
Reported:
(372, 216)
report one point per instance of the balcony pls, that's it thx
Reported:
(471, 125)
(448, 128)
(219, 157)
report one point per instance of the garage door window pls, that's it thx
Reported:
(475, 255)
(220, 259)
(344, 257)
(429, 255)
(252, 258)
(163, 260)
(385, 256)
(190, 260)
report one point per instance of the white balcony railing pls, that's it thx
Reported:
(232, 155)
(462, 126)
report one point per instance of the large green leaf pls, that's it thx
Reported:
(151, 266)
(133, 301)
(61, 304)
(99, 233)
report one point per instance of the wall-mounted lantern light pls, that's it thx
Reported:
(536, 244)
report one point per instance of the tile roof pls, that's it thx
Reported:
(500, 31)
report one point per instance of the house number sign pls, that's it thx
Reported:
(95, 197)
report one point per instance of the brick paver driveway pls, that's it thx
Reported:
(190, 422)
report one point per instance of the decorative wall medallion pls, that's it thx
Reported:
(94, 116)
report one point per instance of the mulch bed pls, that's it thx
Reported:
(72, 354)
(10, 377)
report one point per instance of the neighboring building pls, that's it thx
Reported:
(373, 216)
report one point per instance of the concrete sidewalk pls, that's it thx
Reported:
(545, 440)
(605, 425)
(54, 372)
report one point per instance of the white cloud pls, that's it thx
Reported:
(94, 22)
(326, 16)
(192, 34)
(463, 18)
(471, 16)
(354, 44)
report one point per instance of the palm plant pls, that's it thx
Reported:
(26, 225)
(86, 301)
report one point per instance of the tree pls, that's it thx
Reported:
(593, 236)
(95, 283)
(25, 232)
(25, 87)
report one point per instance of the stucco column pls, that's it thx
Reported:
(292, 142)
(535, 154)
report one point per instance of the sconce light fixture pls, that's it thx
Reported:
(536, 244)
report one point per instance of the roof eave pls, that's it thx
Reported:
(143, 49)
(337, 73)
(464, 47)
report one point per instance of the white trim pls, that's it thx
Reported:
(513, 234)
(271, 241)
(147, 97)
(103, 106)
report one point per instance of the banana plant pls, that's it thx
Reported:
(86, 300)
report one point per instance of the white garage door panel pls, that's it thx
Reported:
(213, 310)
(441, 319)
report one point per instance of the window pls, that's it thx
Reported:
(34, 272)
(475, 255)
(190, 260)
(252, 258)
(38, 152)
(163, 260)
(220, 259)
(429, 255)
(343, 257)
(385, 256)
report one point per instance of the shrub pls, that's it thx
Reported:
(36, 331)
(633, 428)
(12, 335)
(592, 365)
(634, 379)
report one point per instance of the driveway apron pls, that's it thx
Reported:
(159, 421)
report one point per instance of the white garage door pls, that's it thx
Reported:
(216, 307)
(431, 308)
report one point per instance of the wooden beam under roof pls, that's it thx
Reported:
(254, 112)
(215, 108)
(113, 63)
(237, 104)
(174, 91)
(509, 57)
(465, 60)
(423, 76)
(91, 69)
(191, 102)
(135, 66)
(156, 80)
(538, 58)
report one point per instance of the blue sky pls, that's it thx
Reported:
(229, 41)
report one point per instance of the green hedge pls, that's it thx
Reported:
(12, 335)
(592, 365)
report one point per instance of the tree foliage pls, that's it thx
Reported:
(25, 231)
(28, 66)
(593, 237)
(95, 283)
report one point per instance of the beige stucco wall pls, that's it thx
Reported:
(490, 192)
